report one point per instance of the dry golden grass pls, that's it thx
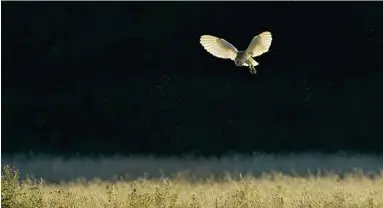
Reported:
(270, 190)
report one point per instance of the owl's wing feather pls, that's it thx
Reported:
(260, 44)
(218, 47)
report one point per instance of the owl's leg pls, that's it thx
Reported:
(252, 69)
(251, 64)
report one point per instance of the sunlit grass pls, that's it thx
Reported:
(269, 190)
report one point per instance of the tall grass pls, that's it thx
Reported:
(272, 189)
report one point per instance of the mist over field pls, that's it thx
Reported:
(56, 169)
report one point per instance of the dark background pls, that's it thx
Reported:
(132, 77)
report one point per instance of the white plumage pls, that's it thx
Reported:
(221, 48)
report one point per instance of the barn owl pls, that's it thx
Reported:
(220, 48)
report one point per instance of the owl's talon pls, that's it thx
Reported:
(252, 69)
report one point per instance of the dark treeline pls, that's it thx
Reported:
(131, 77)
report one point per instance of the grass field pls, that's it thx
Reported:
(341, 187)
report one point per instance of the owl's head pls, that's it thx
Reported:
(238, 62)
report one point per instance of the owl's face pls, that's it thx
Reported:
(241, 58)
(238, 62)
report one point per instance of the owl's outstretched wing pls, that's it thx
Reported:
(218, 47)
(260, 44)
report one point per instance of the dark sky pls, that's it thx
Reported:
(132, 77)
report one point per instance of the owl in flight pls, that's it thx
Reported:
(220, 48)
